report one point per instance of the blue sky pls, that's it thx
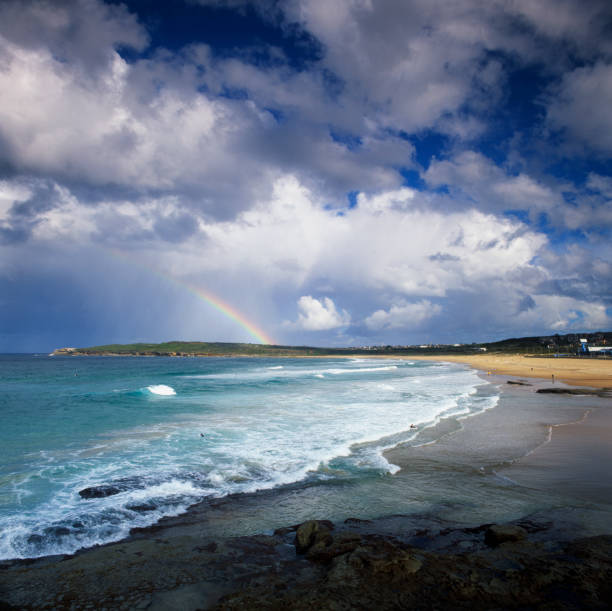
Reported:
(342, 173)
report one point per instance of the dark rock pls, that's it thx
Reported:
(504, 533)
(518, 383)
(35, 539)
(313, 532)
(329, 547)
(598, 392)
(57, 531)
(285, 530)
(97, 492)
(114, 487)
(143, 507)
(382, 561)
(532, 526)
(357, 521)
(476, 529)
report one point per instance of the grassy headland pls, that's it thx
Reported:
(536, 345)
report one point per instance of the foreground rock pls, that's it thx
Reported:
(352, 571)
(504, 533)
(321, 566)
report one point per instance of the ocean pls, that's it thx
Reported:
(91, 447)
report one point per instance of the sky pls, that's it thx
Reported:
(347, 173)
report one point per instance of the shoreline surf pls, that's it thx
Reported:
(344, 414)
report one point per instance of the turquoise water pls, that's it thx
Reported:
(150, 436)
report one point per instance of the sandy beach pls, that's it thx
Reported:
(537, 464)
(596, 373)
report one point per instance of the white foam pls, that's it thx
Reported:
(161, 389)
(283, 372)
(360, 369)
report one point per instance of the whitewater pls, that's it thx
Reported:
(92, 447)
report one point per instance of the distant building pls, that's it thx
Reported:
(586, 349)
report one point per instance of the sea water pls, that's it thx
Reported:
(91, 447)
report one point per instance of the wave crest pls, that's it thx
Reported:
(161, 389)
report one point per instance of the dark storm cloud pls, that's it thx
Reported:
(24, 215)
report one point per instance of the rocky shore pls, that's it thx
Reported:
(357, 564)
(502, 569)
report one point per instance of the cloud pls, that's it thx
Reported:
(166, 125)
(403, 315)
(81, 32)
(390, 241)
(461, 133)
(180, 122)
(565, 313)
(600, 184)
(477, 181)
(581, 26)
(23, 204)
(320, 314)
(404, 65)
(572, 109)
(100, 131)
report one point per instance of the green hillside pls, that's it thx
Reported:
(545, 344)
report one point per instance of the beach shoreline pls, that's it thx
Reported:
(176, 563)
(593, 373)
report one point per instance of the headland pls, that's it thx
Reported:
(534, 357)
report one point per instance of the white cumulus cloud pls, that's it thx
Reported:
(320, 315)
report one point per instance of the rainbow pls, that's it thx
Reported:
(230, 312)
(221, 306)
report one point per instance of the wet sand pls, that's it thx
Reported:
(536, 462)
(574, 460)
